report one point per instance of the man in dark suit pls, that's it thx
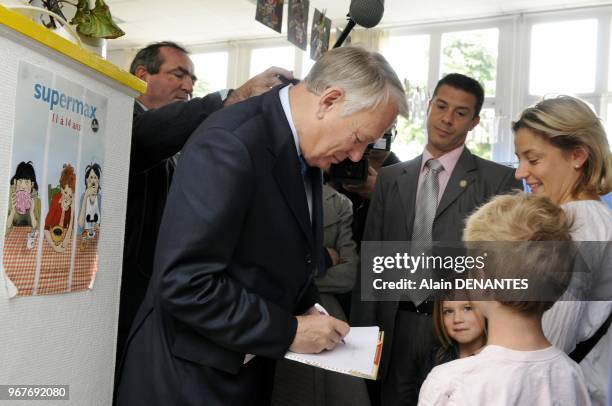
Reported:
(462, 182)
(241, 237)
(164, 117)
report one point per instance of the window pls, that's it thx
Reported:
(608, 123)
(517, 57)
(563, 57)
(211, 70)
(413, 72)
(263, 58)
(307, 63)
(473, 53)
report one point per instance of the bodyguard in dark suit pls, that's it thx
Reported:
(241, 237)
(164, 117)
(463, 182)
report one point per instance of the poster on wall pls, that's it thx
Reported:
(55, 201)
(297, 23)
(270, 13)
(319, 35)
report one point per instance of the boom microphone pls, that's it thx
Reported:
(366, 13)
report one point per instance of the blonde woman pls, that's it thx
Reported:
(564, 155)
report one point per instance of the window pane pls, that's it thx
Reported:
(413, 68)
(563, 57)
(211, 70)
(473, 53)
(413, 72)
(480, 139)
(307, 63)
(263, 58)
(608, 123)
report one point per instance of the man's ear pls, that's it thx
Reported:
(330, 99)
(475, 122)
(141, 73)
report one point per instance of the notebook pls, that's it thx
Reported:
(358, 356)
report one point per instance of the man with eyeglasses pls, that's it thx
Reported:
(164, 118)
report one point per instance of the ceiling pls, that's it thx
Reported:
(193, 22)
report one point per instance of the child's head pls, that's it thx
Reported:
(532, 230)
(457, 322)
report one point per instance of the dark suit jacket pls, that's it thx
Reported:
(235, 257)
(391, 216)
(157, 135)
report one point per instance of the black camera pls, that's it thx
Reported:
(355, 173)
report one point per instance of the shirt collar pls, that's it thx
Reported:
(448, 160)
(142, 105)
(283, 94)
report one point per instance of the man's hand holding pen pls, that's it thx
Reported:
(318, 331)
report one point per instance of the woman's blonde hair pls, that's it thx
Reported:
(569, 123)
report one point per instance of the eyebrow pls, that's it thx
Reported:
(527, 152)
(186, 72)
(467, 108)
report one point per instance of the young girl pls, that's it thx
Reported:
(460, 329)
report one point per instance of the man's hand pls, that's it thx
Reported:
(316, 333)
(333, 254)
(258, 84)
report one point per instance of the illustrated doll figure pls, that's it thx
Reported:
(90, 213)
(24, 204)
(59, 220)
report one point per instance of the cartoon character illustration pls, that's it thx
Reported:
(91, 202)
(59, 220)
(24, 203)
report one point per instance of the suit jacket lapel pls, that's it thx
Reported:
(463, 175)
(407, 185)
(286, 169)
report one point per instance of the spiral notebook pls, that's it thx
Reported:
(358, 356)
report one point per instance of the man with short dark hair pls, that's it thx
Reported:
(164, 118)
(427, 199)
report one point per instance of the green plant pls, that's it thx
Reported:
(96, 22)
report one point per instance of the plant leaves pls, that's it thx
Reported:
(97, 22)
(81, 12)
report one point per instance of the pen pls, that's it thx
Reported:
(323, 312)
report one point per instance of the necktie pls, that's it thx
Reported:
(425, 212)
(303, 166)
(427, 203)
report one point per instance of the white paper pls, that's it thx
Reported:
(356, 355)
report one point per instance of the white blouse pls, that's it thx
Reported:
(568, 323)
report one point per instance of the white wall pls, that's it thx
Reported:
(70, 338)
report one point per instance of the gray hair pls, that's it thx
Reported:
(366, 78)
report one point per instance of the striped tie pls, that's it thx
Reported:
(427, 203)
